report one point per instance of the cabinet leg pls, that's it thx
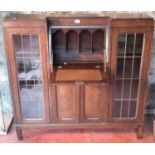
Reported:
(140, 132)
(19, 133)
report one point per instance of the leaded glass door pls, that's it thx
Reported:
(27, 55)
(130, 81)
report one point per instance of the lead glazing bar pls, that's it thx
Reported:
(131, 75)
(123, 73)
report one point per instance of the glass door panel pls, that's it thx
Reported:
(129, 52)
(29, 75)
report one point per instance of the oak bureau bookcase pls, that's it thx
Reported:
(79, 71)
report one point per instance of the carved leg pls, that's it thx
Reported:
(19, 133)
(140, 132)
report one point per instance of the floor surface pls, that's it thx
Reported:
(82, 135)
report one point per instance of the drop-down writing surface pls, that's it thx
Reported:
(92, 75)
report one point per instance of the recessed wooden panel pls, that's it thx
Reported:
(85, 41)
(67, 101)
(59, 41)
(98, 41)
(95, 103)
(72, 41)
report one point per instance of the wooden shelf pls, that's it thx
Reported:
(72, 44)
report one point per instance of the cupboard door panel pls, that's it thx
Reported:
(95, 103)
(66, 103)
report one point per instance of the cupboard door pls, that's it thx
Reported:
(132, 61)
(65, 103)
(29, 75)
(129, 52)
(95, 104)
(28, 79)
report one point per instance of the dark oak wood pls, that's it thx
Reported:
(65, 102)
(19, 133)
(140, 132)
(132, 23)
(79, 102)
(95, 103)
(80, 88)
(70, 21)
(82, 125)
(23, 24)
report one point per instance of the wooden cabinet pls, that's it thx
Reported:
(79, 72)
